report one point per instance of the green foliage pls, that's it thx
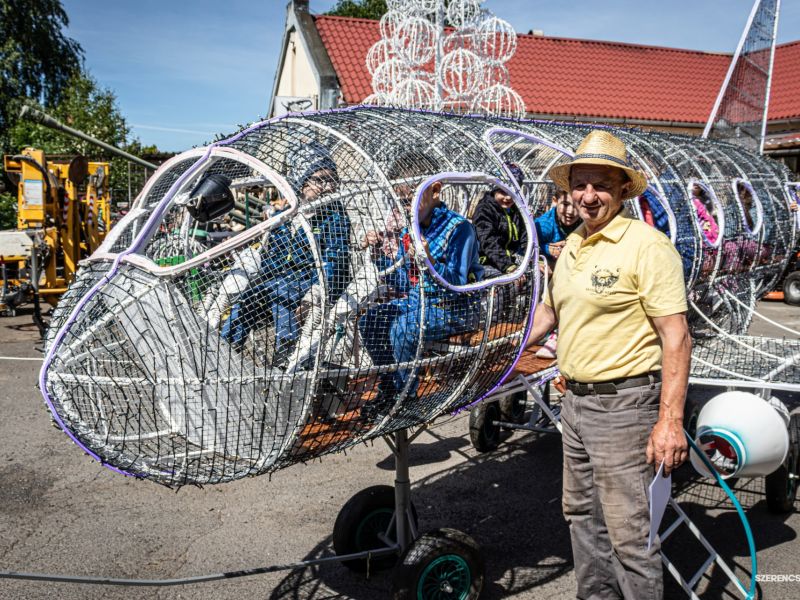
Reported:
(37, 60)
(8, 211)
(364, 9)
(89, 108)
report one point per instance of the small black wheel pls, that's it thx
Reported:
(512, 408)
(484, 433)
(440, 565)
(364, 518)
(791, 289)
(781, 485)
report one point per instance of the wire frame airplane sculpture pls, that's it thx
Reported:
(332, 316)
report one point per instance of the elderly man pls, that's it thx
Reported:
(618, 297)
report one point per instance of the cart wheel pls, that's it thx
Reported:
(363, 518)
(791, 288)
(441, 564)
(512, 408)
(781, 486)
(484, 433)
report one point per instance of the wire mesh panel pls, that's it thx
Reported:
(319, 280)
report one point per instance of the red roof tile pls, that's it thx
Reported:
(784, 100)
(562, 76)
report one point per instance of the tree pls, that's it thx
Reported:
(364, 9)
(93, 110)
(37, 60)
(8, 211)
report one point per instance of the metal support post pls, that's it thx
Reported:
(402, 489)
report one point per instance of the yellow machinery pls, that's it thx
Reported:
(64, 214)
(64, 209)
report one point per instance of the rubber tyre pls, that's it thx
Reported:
(779, 486)
(483, 432)
(791, 289)
(440, 565)
(361, 519)
(512, 408)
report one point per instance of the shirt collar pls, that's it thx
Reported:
(613, 232)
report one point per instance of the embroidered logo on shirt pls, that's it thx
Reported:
(603, 280)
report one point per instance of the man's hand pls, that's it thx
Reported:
(667, 443)
(555, 248)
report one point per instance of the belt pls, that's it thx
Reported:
(611, 387)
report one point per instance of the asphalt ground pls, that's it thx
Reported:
(62, 513)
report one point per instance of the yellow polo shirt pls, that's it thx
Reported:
(604, 290)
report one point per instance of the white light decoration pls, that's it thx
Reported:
(498, 39)
(377, 99)
(379, 53)
(422, 7)
(415, 93)
(415, 41)
(390, 23)
(388, 75)
(461, 72)
(462, 13)
(494, 74)
(499, 100)
(417, 65)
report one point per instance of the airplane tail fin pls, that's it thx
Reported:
(740, 111)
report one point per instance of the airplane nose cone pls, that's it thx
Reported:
(138, 379)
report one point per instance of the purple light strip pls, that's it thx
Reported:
(472, 178)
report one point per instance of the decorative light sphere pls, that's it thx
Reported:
(415, 93)
(462, 13)
(415, 41)
(495, 73)
(499, 100)
(379, 53)
(388, 75)
(460, 39)
(498, 40)
(390, 23)
(467, 73)
(461, 72)
(399, 5)
(421, 7)
(377, 100)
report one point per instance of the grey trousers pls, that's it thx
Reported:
(605, 493)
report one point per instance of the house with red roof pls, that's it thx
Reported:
(322, 65)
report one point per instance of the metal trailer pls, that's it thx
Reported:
(143, 375)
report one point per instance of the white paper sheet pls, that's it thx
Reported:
(658, 493)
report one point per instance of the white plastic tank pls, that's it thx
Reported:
(742, 435)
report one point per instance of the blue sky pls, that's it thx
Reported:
(183, 71)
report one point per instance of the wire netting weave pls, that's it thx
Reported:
(307, 318)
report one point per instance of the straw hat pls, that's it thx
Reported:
(601, 148)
